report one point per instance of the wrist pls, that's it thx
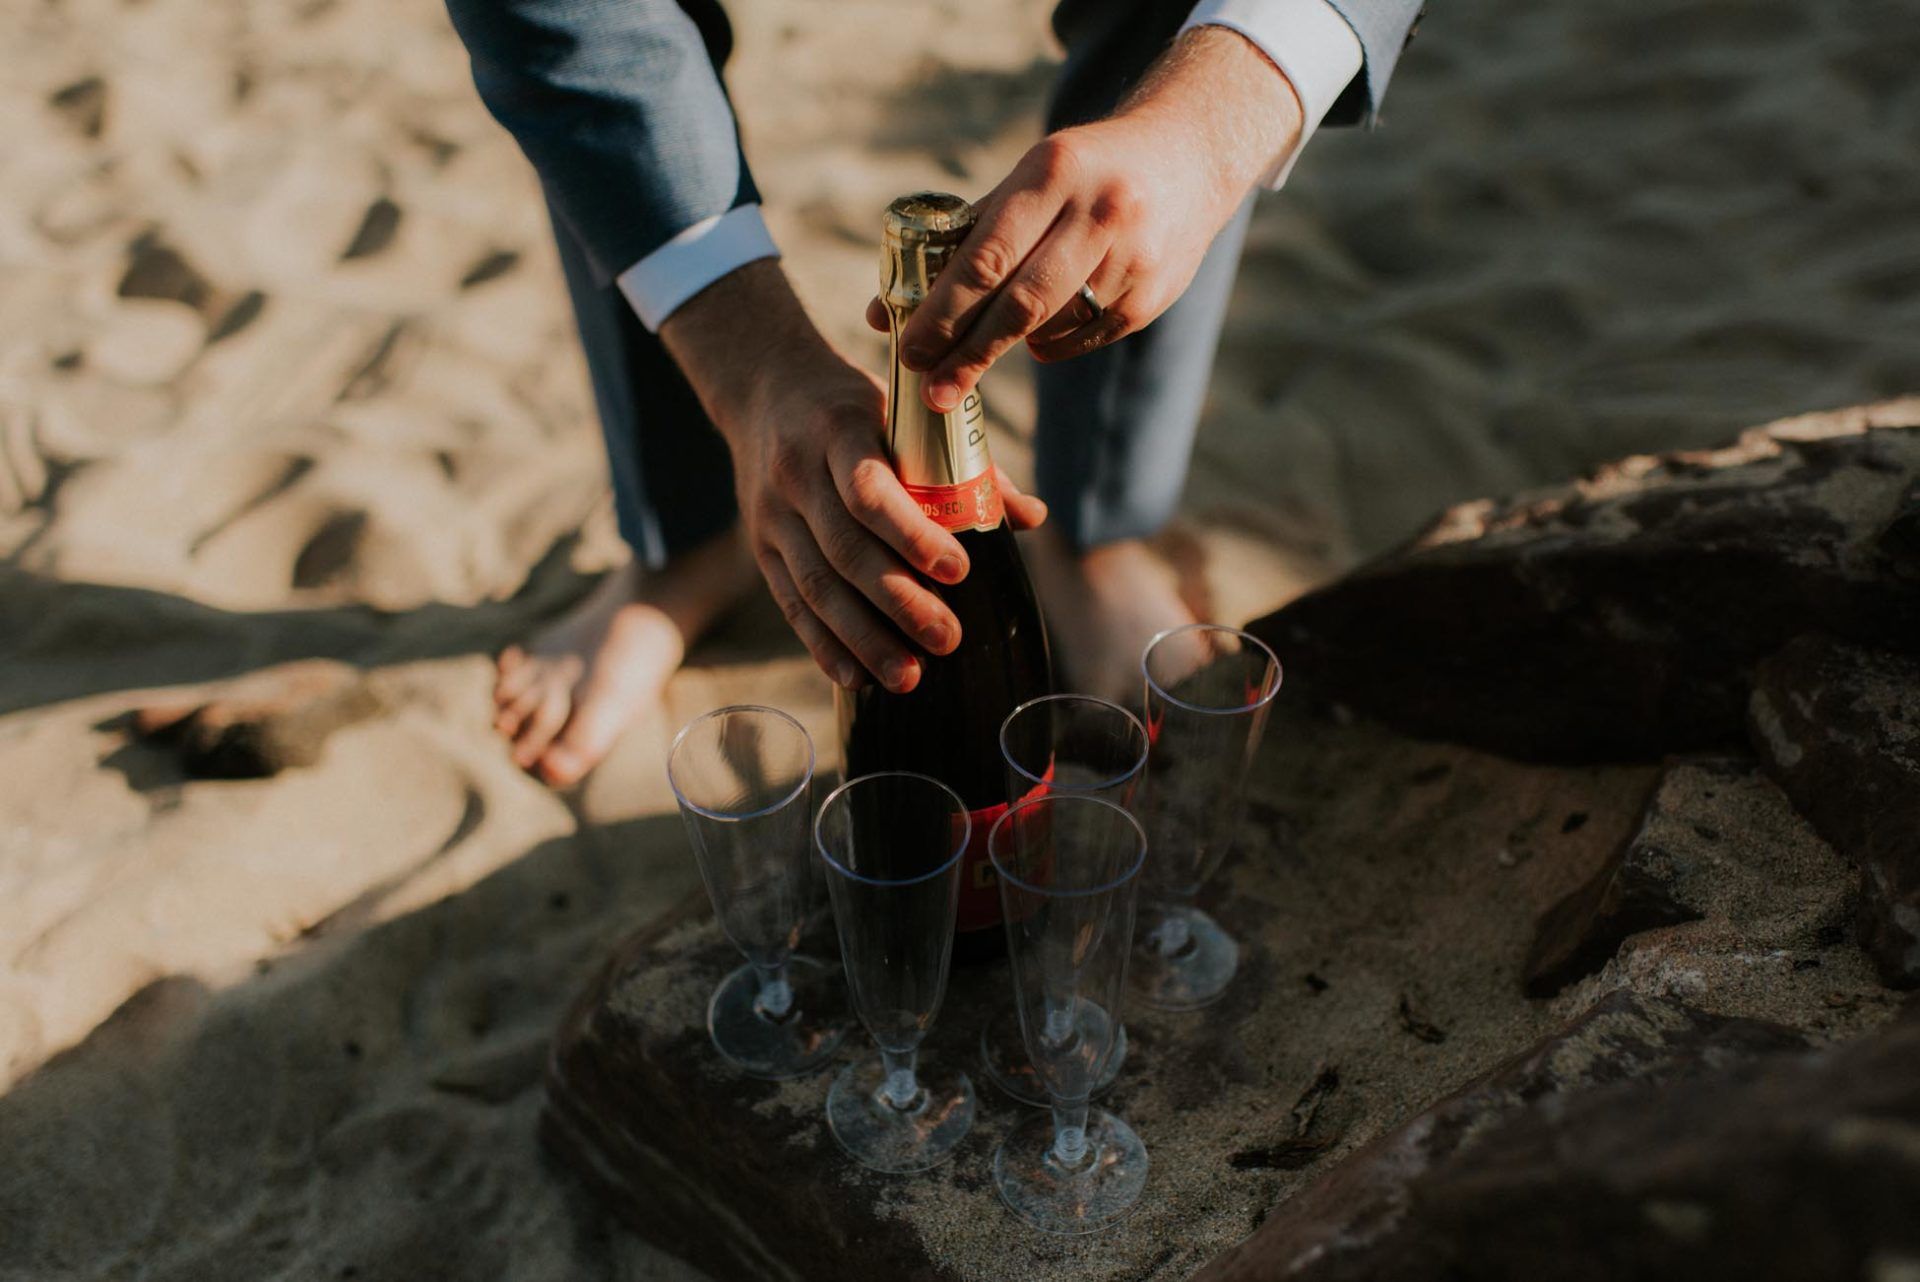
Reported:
(734, 339)
(1218, 96)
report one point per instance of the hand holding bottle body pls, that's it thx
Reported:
(842, 545)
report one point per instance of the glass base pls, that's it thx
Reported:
(882, 1137)
(1182, 959)
(797, 1041)
(1096, 1194)
(1003, 1055)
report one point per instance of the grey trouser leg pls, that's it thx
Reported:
(672, 478)
(1116, 426)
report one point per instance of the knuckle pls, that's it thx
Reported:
(794, 611)
(787, 464)
(844, 543)
(1025, 305)
(1146, 262)
(904, 602)
(986, 264)
(1118, 203)
(867, 490)
(817, 583)
(1058, 159)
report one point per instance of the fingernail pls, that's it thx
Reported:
(916, 357)
(949, 570)
(939, 638)
(847, 675)
(943, 394)
(897, 673)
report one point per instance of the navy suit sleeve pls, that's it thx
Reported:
(619, 106)
(1384, 28)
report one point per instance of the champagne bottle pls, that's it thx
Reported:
(948, 726)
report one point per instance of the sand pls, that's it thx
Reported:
(286, 370)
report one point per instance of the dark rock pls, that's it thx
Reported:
(1839, 727)
(263, 723)
(1649, 1140)
(1618, 618)
(1716, 840)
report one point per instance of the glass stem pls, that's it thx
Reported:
(1173, 933)
(776, 994)
(900, 1088)
(1070, 1132)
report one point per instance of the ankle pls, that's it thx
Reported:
(698, 586)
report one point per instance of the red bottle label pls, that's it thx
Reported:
(979, 883)
(971, 505)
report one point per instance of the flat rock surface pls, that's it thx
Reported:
(1648, 1140)
(1386, 891)
(1618, 617)
(1717, 854)
(1839, 726)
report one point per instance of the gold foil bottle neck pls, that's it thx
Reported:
(918, 236)
(941, 458)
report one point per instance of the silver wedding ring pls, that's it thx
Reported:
(1093, 304)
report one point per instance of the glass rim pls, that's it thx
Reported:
(739, 816)
(960, 807)
(1279, 673)
(1075, 798)
(1146, 742)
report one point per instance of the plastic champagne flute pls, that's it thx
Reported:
(1069, 868)
(743, 778)
(1062, 743)
(892, 844)
(1208, 692)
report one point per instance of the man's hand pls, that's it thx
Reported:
(833, 531)
(1127, 205)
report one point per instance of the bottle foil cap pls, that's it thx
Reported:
(928, 218)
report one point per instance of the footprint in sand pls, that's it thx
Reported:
(376, 230)
(82, 104)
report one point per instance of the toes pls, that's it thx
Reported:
(537, 732)
(564, 766)
(516, 675)
(584, 742)
(515, 715)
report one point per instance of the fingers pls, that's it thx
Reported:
(1024, 510)
(1108, 281)
(823, 600)
(854, 623)
(834, 659)
(864, 563)
(1110, 327)
(875, 497)
(877, 315)
(1042, 287)
(1012, 220)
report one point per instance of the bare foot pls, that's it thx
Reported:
(1102, 608)
(564, 699)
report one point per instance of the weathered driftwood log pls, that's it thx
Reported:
(1619, 618)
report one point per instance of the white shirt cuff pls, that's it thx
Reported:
(1311, 44)
(694, 259)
